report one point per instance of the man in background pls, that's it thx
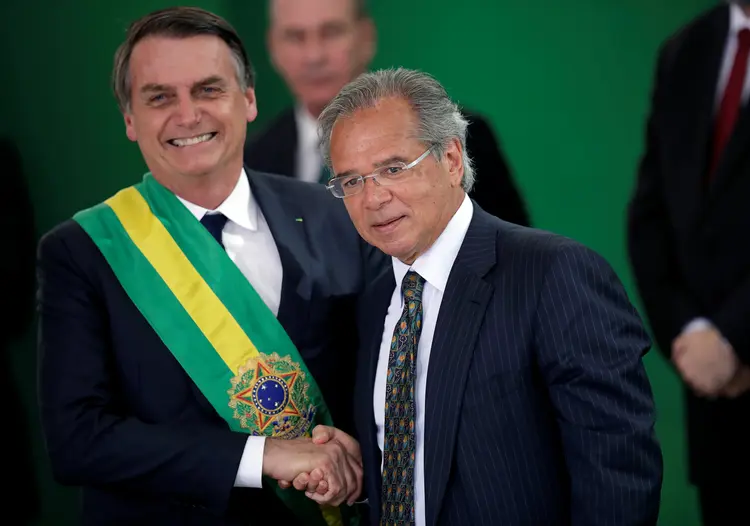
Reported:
(318, 46)
(687, 232)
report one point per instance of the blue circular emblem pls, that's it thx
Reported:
(270, 395)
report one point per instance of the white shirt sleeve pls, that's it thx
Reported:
(697, 324)
(250, 472)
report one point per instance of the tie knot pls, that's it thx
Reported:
(215, 223)
(412, 286)
(743, 38)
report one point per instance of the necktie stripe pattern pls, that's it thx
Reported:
(400, 410)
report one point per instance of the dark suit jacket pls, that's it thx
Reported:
(686, 236)
(122, 418)
(17, 271)
(538, 409)
(274, 151)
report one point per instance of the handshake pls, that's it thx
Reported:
(327, 467)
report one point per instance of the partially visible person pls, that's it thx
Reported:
(687, 222)
(195, 326)
(317, 46)
(17, 268)
(500, 375)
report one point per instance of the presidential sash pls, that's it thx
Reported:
(212, 320)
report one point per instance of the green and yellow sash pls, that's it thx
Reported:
(213, 321)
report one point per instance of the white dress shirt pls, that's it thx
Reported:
(435, 267)
(309, 156)
(738, 20)
(249, 243)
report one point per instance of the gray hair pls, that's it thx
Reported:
(440, 120)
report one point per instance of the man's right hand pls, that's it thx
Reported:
(332, 469)
(739, 384)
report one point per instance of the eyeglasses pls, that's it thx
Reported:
(394, 173)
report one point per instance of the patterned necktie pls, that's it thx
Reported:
(400, 411)
(214, 223)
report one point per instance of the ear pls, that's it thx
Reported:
(130, 127)
(251, 105)
(367, 42)
(454, 162)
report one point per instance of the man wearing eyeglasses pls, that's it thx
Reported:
(500, 376)
(317, 46)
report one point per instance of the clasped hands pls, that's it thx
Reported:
(327, 467)
(709, 365)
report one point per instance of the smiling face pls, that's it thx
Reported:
(404, 219)
(188, 112)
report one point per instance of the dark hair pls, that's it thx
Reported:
(177, 22)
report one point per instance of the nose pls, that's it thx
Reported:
(314, 51)
(188, 112)
(375, 195)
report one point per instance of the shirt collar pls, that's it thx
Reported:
(307, 128)
(738, 20)
(436, 263)
(240, 207)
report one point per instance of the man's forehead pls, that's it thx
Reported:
(357, 147)
(163, 60)
(307, 12)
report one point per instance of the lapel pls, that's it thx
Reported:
(461, 313)
(377, 298)
(697, 72)
(735, 152)
(290, 237)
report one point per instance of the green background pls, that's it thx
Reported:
(565, 84)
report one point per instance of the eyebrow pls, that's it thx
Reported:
(379, 164)
(213, 79)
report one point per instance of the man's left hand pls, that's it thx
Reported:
(705, 360)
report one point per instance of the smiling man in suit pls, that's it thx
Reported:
(195, 326)
(318, 46)
(687, 231)
(500, 376)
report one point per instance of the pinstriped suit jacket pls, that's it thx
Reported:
(538, 407)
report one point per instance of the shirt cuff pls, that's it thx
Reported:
(698, 324)
(250, 472)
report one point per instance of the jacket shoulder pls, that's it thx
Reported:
(267, 137)
(548, 248)
(697, 28)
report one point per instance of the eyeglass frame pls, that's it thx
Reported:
(374, 175)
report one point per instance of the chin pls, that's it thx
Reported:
(198, 166)
(196, 169)
(393, 248)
